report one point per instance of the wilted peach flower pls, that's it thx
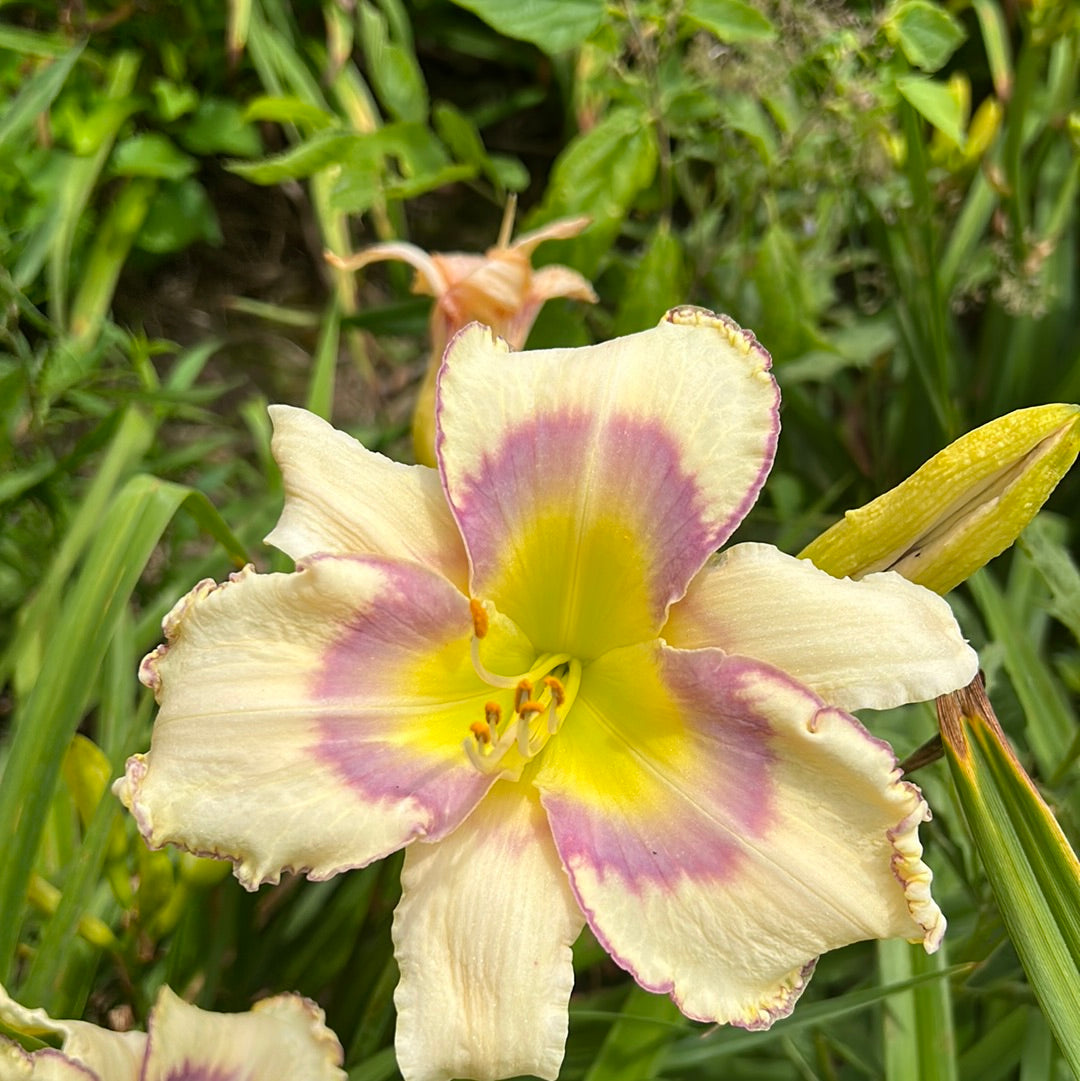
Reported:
(499, 288)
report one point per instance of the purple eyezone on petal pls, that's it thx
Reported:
(626, 482)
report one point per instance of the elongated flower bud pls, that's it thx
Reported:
(964, 506)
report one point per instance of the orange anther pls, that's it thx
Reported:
(558, 691)
(522, 694)
(492, 713)
(479, 617)
(481, 730)
(530, 706)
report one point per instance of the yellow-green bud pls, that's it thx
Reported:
(966, 505)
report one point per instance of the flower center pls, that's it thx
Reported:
(541, 699)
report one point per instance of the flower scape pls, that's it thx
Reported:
(529, 668)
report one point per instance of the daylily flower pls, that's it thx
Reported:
(281, 1037)
(528, 669)
(499, 288)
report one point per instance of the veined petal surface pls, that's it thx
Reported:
(482, 937)
(875, 644)
(312, 721)
(281, 1037)
(591, 484)
(722, 827)
(344, 499)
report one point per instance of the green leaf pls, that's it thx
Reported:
(126, 536)
(219, 126)
(729, 20)
(600, 173)
(637, 1041)
(324, 148)
(394, 72)
(151, 154)
(657, 283)
(1032, 870)
(288, 110)
(33, 99)
(926, 33)
(935, 103)
(553, 25)
(179, 215)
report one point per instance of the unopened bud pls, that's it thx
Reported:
(964, 506)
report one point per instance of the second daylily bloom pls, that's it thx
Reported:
(283, 1036)
(499, 288)
(528, 668)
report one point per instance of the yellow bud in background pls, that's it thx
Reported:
(966, 505)
(983, 129)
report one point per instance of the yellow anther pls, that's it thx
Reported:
(481, 731)
(522, 694)
(479, 617)
(558, 691)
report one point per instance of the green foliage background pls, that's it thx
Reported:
(885, 193)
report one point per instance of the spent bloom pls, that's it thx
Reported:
(499, 288)
(283, 1036)
(529, 669)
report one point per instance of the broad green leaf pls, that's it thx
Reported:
(730, 20)
(288, 110)
(394, 72)
(657, 283)
(1032, 869)
(220, 126)
(324, 148)
(179, 215)
(934, 102)
(33, 99)
(600, 173)
(926, 32)
(151, 154)
(553, 25)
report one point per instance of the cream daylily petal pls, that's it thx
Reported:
(738, 829)
(344, 499)
(482, 937)
(875, 644)
(281, 1037)
(312, 721)
(48, 1064)
(88, 1051)
(592, 484)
